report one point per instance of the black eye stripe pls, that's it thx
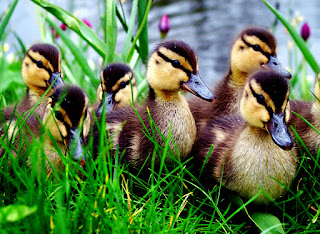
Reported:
(36, 62)
(174, 64)
(262, 102)
(256, 48)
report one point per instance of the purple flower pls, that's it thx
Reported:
(164, 26)
(87, 22)
(55, 34)
(305, 31)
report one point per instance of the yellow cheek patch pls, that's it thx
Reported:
(253, 40)
(38, 57)
(173, 56)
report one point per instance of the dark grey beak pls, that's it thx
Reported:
(108, 103)
(76, 143)
(56, 78)
(278, 130)
(274, 64)
(196, 86)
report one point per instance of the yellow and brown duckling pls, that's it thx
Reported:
(118, 84)
(252, 150)
(64, 118)
(173, 66)
(40, 68)
(254, 49)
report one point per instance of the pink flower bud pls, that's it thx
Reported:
(305, 31)
(164, 26)
(87, 22)
(63, 27)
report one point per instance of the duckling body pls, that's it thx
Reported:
(251, 150)
(118, 84)
(172, 66)
(253, 50)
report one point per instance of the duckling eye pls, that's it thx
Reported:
(176, 63)
(58, 115)
(40, 64)
(260, 99)
(256, 48)
(122, 85)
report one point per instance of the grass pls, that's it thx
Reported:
(105, 195)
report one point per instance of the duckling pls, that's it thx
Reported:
(173, 66)
(116, 82)
(251, 150)
(62, 118)
(66, 115)
(254, 49)
(40, 68)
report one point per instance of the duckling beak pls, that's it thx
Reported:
(196, 86)
(75, 144)
(274, 64)
(278, 130)
(108, 104)
(56, 77)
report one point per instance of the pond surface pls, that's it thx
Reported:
(208, 26)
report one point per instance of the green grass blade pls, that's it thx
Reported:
(6, 19)
(140, 30)
(111, 30)
(143, 39)
(75, 50)
(76, 25)
(296, 37)
(133, 15)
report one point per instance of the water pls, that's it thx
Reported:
(208, 26)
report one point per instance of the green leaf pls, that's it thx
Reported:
(296, 37)
(7, 18)
(76, 25)
(111, 30)
(140, 30)
(14, 213)
(268, 223)
(143, 39)
(133, 15)
(75, 50)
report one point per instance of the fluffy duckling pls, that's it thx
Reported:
(118, 84)
(251, 150)
(40, 68)
(254, 49)
(173, 66)
(64, 118)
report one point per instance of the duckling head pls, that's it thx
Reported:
(173, 66)
(68, 106)
(254, 49)
(118, 84)
(264, 104)
(41, 67)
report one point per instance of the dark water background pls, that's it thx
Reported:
(209, 26)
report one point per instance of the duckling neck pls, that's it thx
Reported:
(35, 95)
(171, 113)
(237, 78)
